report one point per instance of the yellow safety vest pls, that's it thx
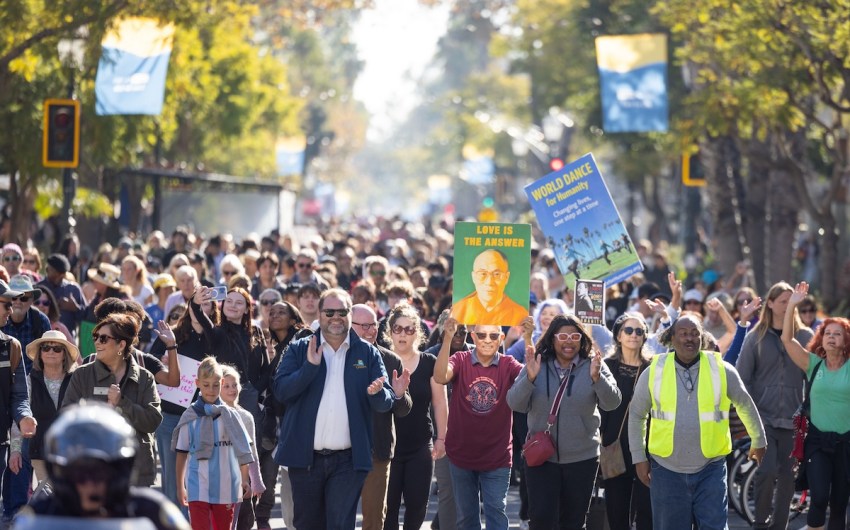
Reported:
(712, 401)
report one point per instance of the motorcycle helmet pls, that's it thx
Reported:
(90, 442)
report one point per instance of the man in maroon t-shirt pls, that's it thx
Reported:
(478, 439)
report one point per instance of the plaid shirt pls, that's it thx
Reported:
(26, 330)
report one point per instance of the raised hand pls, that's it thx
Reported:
(375, 386)
(165, 333)
(532, 363)
(400, 382)
(800, 292)
(654, 306)
(202, 294)
(714, 304)
(595, 365)
(450, 328)
(314, 354)
(527, 326)
(749, 309)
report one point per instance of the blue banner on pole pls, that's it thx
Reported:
(581, 223)
(133, 67)
(633, 82)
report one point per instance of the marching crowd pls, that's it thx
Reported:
(331, 367)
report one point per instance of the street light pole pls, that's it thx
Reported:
(71, 52)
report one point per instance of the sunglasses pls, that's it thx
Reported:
(338, 312)
(55, 347)
(408, 330)
(303, 265)
(807, 310)
(268, 302)
(7, 305)
(44, 302)
(575, 337)
(24, 299)
(377, 273)
(628, 330)
(493, 336)
(367, 326)
(228, 273)
(102, 338)
(13, 257)
(461, 333)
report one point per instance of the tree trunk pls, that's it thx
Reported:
(829, 261)
(22, 197)
(781, 228)
(755, 212)
(714, 155)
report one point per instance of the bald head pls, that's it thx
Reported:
(364, 322)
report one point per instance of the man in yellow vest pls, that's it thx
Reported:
(688, 392)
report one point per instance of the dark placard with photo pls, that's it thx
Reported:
(589, 301)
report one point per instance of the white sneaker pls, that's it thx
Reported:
(523, 525)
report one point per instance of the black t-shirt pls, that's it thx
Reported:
(416, 429)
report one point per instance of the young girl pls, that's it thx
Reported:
(231, 385)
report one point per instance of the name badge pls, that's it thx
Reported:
(101, 391)
(5, 364)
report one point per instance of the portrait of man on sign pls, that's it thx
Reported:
(489, 304)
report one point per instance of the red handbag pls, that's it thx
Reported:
(540, 446)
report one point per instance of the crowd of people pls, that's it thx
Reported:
(331, 367)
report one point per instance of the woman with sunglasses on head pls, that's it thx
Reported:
(560, 489)
(626, 498)
(190, 342)
(117, 379)
(265, 301)
(54, 359)
(413, 462)
(237, 341)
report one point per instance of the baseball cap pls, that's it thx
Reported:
(693, 294)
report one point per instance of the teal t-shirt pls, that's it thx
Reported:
(830, 396)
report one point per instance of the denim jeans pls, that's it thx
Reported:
(168, 458)
(678, 497)
(325, 495)
(493, 488)
(16, 487)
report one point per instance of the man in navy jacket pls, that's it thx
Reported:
(330, 383)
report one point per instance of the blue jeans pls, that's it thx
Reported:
(168, 458)
(325, 495)
(493, 488)
(678, 497)
(16, 487)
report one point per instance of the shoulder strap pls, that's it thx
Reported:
(809, 383)
(15, 355)
(556, 405)
(626, 415)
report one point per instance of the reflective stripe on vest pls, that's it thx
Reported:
(712, 402)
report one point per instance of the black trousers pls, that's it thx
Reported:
(826, 471)
(626, 500)
(559, 494)
(410, 476)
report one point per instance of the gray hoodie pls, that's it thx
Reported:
(576, 432)
(771, 378)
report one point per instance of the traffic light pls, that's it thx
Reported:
(692, 170)
(61, 146)
(556, 164)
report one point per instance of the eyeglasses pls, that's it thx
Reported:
(7, 305)
(628, 330)
(268, 302)
(482, 275)
(228, 273)
(693, 302)
(807, 310)
(378, 273)
(175, 316)
(461, 333)
(408, 330)
(303, 265)
(366, 326)
(24, 299)
(11, 257)
(102, 338)
(338, 312)
(575, 337)
(55, 347)
(743, 301)
(493, 336)
(44, 302)
(687, 380)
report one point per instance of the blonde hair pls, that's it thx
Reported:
(229, 371)
(209, 368)
(766, 316)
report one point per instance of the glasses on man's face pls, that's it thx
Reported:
(24, 299)
(55, 347)
(378, 272)
(461, 333)
(492, 336)
(628, 330)
(366, 326)
(102, 338)
(563, 337)
(7, 305)
(268, 302)
(407, 330)
(687, 380)
(303, 265)
(338, 312)
(693, 302)
(483, 276)
(11, 257)
(228, 273)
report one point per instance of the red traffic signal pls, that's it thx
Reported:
(556, 164)
(61, 142)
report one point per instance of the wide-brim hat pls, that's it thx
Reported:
(106, 274)
(52, 335)
(23, 284)
(7, 292)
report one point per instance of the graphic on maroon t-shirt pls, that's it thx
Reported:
(483, 395)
